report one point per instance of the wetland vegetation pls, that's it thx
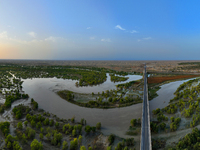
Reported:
(107, 99)
(25, 126)
(184, 106)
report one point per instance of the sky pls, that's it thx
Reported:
(100, 29)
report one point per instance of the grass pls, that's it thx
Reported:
(153, 92)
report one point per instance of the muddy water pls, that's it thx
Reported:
(115, 120)
(165, 94)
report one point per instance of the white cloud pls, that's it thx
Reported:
(92, 38)
(134, 31)
(147, 38)
(119, 27)
(105, 40)
(51, 38)
(55, 39)
(4, 35)
(88, 28)
(32, 34)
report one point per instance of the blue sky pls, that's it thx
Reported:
(100, 29)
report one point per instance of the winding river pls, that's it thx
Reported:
(116, 120)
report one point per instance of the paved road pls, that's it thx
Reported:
(145, 137)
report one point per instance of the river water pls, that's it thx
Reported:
(165, 94)
(116, 120)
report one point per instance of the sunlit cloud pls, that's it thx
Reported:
(55, 39)
(4, 35)
(119, 27)
(105, 40)
(32, 34)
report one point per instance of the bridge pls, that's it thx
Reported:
(145, 143)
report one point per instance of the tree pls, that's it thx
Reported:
(73, 144)
(80, 139)
(90, 148)
(33, 123)
(41, 136)
(26, 123)
(35, 145)
(30, 133)
(87, 129)
(56, 124)
(72, 119)
(82, 148)
(133, 122)
(98, 125)
(82, 121)
(16, 146)
(74, 132)
(109, 148)
(4, 126)
(111, 139)
(24, 138)
(19, 125)
(64, 145)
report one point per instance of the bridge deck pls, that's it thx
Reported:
(146, 133)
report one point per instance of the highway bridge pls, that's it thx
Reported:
(145, 143)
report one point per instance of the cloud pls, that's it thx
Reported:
(32, 34)
(134, 31)
(119, 27)
(147, 38)
(105, 40)
(88, 28)
(4, 35)
(55, 39)
(92, 38)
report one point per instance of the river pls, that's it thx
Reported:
(116, 120)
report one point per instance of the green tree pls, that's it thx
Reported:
(64, 145)
(80, 139)
(35, 145)
(98, 125)
(26, 123)
(73, 144)
(87, 129)
(56, 124)
(111, 139)
(109, 148)
(74, 132)
(19, 125)
(82, 148)
(41, 136)
(72, 119)
(133, 122)
(90, 148)
(33, 123)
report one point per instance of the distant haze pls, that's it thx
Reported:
(100, 29)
